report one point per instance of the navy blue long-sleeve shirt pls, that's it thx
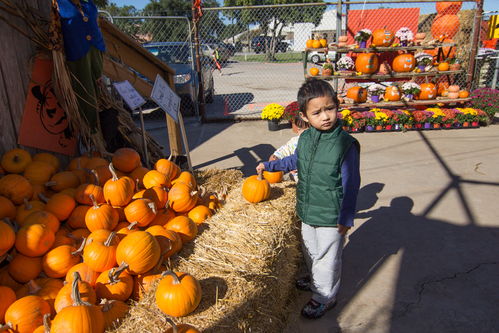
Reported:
(350, 180)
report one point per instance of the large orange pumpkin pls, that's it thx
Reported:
(256, 188)
(428, 91)
(404, 63)
(178, 294)
(448, 7)
(357, 94)
(184, 227)
(382, 37)
(367, 63)
(57, 262)
(15, 160)
(26, 314)
(445, 25)
(182, 198)
(140, 251)
(392, 93)
(142, 211)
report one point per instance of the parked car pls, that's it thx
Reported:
(177, 55)
(259, 44)
(317, 57)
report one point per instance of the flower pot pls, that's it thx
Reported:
(409, 96)
(447, 126)
(346, 128)
(363, 44)
(369, 128)
(375, 98)
(273, 124)
(388, 127)
(436, 126)
(403, 43)
(354, 129)
(427, 126)
(457, 125)
(408, 126)
(397, 127)
(466, 124)
(379, 127)
(474, 124)
(418, 126)
(422, 68)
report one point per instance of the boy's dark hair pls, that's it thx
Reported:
(300, 123)
(315, 88)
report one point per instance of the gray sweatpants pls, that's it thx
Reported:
(322, 249)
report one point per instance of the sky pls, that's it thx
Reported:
(139, 4)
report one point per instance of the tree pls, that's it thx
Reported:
(272, 20)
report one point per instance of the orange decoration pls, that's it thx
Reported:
(357, 94)
(428, 91)
(367, 63)
(382, 37)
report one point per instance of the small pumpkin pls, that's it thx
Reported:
(126, 159)
(101, 256)
(49, 159)
(174, 237)
(64, 299)
(38, 172)
(187, 178)
(86, 273)
(443, 66)
(43, 217)
(125, 228)
(63, 180)
(454, 88)
(140, 251)
(82, 195)
(164, 242)
(310, 43)
(182, 198)
(441, 87)
(34, 240)
(199, 214)
(323, 42)
(428, 91)
(382, 37)
(57, 262)
(7, 208)
(155, 178)
(464, 94)
(46, 288)
(162, 217)
(156, 194)
(101, 236)
(114, 283)
(142, 211)
(273, 177)
(27, 208)
(404, 63)
(178, 294)
(143, 283)
(114, 311)
(26, 314)
(94, 162)
(23, 268)
(61, 205)
(314, 71)
(256, 189)
(77, 218)
(168, 168)
(357, 94)
(7, 237)
(101, 175)
(64, 237)
(7, 297)
(184, 227)
(78, 163)
(101, 216)
(392, 93)
(118, 191)
(16, 188)
(453, 95)
(138, 174)
(90, 317)
(15, 160)
(316, 44)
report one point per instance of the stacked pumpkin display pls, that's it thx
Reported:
(84, 237)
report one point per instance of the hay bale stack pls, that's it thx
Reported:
(245, 258)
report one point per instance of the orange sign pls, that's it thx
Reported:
(386, 18)
(45, 124)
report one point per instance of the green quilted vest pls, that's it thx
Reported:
(319, 190)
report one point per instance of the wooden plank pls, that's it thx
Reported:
(394, 75)
(119, 72)
(405, 104)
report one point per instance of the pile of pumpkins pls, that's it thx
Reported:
(95, 232)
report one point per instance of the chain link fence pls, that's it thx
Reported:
(260, 48)
(487, 59)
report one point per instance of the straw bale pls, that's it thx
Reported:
(245, 257)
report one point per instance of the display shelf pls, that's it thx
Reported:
(405, 103)
(378, 77)
(381, 49)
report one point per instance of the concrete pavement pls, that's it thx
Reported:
(424, 253)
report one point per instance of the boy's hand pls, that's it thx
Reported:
(260, 167)
(342, 230)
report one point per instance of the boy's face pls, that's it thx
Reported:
(321, 113)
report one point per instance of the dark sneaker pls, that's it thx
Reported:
(303, 283)
(314, 309)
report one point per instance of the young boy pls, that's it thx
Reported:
(327, 159)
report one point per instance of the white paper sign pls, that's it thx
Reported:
(132, 98)
(165, 97)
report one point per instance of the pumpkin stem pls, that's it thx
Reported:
(113, 172)
(50, 183)
(260, 173)
(33, 287)
(172, 323)
(11, 224)
(43, 197)
(96, 176)
(193, 193)
(152, 206)
(94, 202)
(75, 292)
(27, 204)
(115, 272)
(173, 275)
(132, 225)
(106, 304)
(79, 252)
(46, 323)
(7, 326)
(110, 239)
(137, 184)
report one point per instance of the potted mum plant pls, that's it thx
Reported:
(410, 89)
(327, 69)
(375, 90)
(345, 64)
(369, 120)
(273, 113)
(362, 37)
(405, 36)
(424, 61)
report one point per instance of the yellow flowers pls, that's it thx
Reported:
(272, 111)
